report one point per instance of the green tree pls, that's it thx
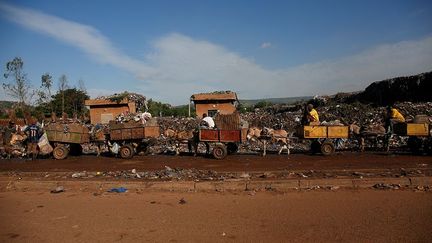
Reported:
(262, 104)
(19, 87)
(71, 101)
(158, 108)
(244, 108)
(45, 95)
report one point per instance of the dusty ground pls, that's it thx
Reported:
(346, 216)
(346, 160)
(32, 214)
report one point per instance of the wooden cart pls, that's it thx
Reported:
(133, 136)
(228, 135)
(323, 137)
(419, 136)
(223, 141)
(64, 136)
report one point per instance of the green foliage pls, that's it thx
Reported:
(158, 108)
(262, 104)
(243, 108)
(73, 103)
(44, 93)
(119, 97)
(18, 87)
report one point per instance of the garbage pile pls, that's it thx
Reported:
(288, 116)
(140, 117)
(140, 100)
(178, 123)
(167, 173)
(414, 88)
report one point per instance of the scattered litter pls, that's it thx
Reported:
(182, 201)
(58, 189)
(118, 189)
(384, 186)
(244, 175)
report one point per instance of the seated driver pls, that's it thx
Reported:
(208, 121)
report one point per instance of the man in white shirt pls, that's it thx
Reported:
(208, 120)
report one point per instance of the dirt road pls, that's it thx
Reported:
(84, 213)
(341, 161)
(348, 216)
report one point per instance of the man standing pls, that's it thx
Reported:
(33, 132)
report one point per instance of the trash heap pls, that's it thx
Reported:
(167, 174)
(288, 117)
(178, 123)
(140, 117)
(140, 100)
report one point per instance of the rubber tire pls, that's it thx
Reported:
(126, 151)
(219, 151)
(327, 148)
(60, 152)
(232, 148)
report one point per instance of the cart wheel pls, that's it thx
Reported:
(415, 144)
(219, 151)
(126, 151)
(327, 148)
(232, 148)
(315, 146)
(60, 152)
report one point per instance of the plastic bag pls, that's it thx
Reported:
(44, 145)
(115, 148)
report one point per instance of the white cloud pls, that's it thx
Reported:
(179, 66)
(266, 45)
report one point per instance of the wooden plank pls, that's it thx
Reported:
(228, 121)
(411, 129)
(116, 134)
(230, 135)
(315, 132)
(414, 129)
(151, 131)
(337, 131)
(126, 133)
(209, 135)
(137, 132)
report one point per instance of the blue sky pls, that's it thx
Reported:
(168, 50)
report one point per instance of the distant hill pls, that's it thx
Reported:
(286, 100)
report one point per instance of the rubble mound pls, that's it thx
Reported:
(415, 88)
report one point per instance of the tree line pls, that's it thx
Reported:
(47, 99)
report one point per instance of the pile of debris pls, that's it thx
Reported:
(414, 88)
(288, 116)
(140, 100)
(166, 174)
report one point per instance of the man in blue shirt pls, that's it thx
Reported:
(33, 134)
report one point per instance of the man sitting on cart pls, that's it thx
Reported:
(207, 121)
(393, 116)
(310, 116)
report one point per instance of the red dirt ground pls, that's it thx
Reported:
(345, 216)
(341, 161)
